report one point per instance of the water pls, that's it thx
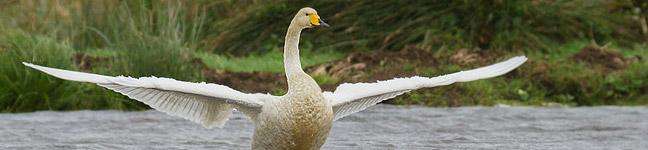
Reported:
(379, 127)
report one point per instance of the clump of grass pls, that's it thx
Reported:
(21, 88)
(142, 38)
(325, 79)
(25, 89)
(146, 43)
(142, 34)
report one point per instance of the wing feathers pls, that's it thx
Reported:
(351, 98)
(342, 110)
(71, 75)
(184, 105)
(206, 104)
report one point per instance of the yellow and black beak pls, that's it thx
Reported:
(316, 21)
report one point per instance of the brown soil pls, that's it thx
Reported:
(253, 82)
(474, 57)
(603, 60)
(540, 72)
(373, 66)
(86, 62)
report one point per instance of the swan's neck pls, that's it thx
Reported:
(291, 53)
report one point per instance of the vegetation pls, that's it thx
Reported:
(27, 90)
(185, 40)
(435, 25)
(547, 80)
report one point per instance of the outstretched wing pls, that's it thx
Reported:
(204, 103)
(351, 98)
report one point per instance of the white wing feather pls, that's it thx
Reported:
(350, 98)
(204, 103)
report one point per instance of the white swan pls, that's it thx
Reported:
(301, 119)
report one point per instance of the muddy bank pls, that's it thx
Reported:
(254, 82)
(357, 67)
(550, 79)
(603, 60)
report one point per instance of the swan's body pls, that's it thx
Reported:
(301, 119)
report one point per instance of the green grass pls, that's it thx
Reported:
(506, 25)
(26, 89)
(267, 62)
(137, 37)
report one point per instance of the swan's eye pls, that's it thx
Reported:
(306, 14)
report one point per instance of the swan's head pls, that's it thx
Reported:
(308, 18)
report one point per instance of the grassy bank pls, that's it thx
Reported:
(556, 79)
(565, 78)
(207, 40)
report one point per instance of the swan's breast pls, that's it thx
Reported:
(301, 119)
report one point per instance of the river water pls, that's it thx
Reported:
(379, 127)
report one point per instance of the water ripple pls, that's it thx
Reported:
(380, 127)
